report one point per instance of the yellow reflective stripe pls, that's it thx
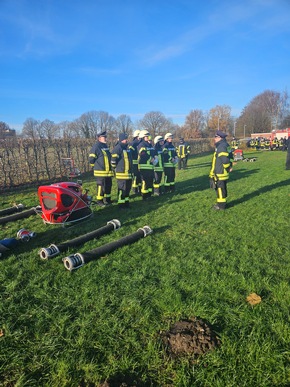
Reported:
(92, 155)
(103, 173)
(126, 161)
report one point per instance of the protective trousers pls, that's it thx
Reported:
(221, 192)
(157, 182)
(169, 179)
(104, 187)
(136, 184)
(124, 188)
(147, 176)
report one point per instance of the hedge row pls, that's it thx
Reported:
(34, 161)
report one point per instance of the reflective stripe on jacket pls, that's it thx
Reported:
(145, 155)
(122, 162)
(221, 162)
(100, 159)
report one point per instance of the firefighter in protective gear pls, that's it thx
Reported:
(158, 165)
(182, 151)
(122, 163)
(220, 168)
(146, 158)
(170, 161)
(136, 184)
(234, 144)
(100, 159)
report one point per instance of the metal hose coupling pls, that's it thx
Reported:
(146, 230)
(25, 235)
(48, 252)
(73, 261)
(115, 223)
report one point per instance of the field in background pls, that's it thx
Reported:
(103, 321)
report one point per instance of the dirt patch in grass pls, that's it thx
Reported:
(190, 337)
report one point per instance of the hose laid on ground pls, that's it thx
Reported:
(53, 250)
(77, 260)
(11, 210)
(21, 215)
(23, 235)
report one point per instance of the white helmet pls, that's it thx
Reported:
(136, 133)
(167, 135)
(144, 133)
(157, 139)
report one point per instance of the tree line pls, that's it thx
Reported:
(36, 155)
(265, 112)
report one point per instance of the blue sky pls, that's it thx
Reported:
(62, 58)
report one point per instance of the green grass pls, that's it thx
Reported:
(103, 321)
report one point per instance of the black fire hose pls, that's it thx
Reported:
(77, 260)
(11, 210)
(21, 215)
(54, 250)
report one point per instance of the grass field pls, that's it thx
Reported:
(102, 322)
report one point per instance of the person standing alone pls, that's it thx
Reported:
(220, 169)
(100, 159)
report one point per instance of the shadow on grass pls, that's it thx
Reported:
(202, 182)
(260, 191)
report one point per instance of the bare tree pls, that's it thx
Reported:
(265, 112)
(4, 128)
(123, 124)
(48, 129)
(194, 123)
(156, 123)
(93, 122)
(219, 117)
(31, 128)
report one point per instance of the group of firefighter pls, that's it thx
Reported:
(144, 165)
(261, 143)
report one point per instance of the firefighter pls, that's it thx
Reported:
(262, 143)
(170, 161)
(158, 167)
(146, 158)
(221, 166)
(234, 144)
(181, 151)
(275, 144)
(122, 163)
(252, 143)
(136, 184)
(100, 159)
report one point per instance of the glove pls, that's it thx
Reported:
(155, 161)
(212, 183)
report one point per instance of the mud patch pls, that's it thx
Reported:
(190, 337)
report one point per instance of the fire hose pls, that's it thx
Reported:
(77, 260)
(23, 235)
(21, 215)
(53, 250)
(11, 210)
